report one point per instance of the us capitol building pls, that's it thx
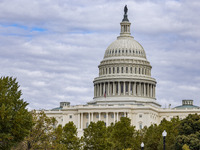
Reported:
(124, 88)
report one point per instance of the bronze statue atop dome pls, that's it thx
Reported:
(125, 10)
(125, 13)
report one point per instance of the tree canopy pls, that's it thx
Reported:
(15, 119)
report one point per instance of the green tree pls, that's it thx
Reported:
(153, 137)
(95, 136)
(189, 132)
(57, 138)
(41, 134)
(70, 139)
(185, 147)
(15, 120)
(123, 134)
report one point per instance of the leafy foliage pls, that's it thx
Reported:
(95, 136)
(123, 134)
(189, 132)
(15, 120)
(70, 139)
(41, 134)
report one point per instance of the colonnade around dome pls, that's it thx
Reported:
(124, 88)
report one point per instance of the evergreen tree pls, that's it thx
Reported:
(15, 120)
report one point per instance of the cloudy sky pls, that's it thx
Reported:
(54, 47)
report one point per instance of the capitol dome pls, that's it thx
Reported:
(125, 46)
(125, 73)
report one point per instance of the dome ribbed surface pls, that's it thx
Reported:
(125, 46)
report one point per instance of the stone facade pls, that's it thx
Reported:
(124, 88)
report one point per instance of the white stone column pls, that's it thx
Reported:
(88, 118)
(108, 88)
(144, 89)
(81, 121)
(99, 116)
(92, 118)
(124, 89)
(100, 89)
(129, 88)
(119, 88)
(114, 117)
(78, 120)
(114, 88)
(106, 119)
(134, 88)
(104, 88)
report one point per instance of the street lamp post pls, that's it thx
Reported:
(164, 134)
(142, 146)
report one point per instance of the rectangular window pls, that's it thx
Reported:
(97, 116)
(105, 116)
(140, 125)
(131, 69)
(122, 88)
(113, 69)
(126, 69)
(87, 116)
(112, 115)
(70, 116)
(122, 69)
(117, 69)
(109, 70)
